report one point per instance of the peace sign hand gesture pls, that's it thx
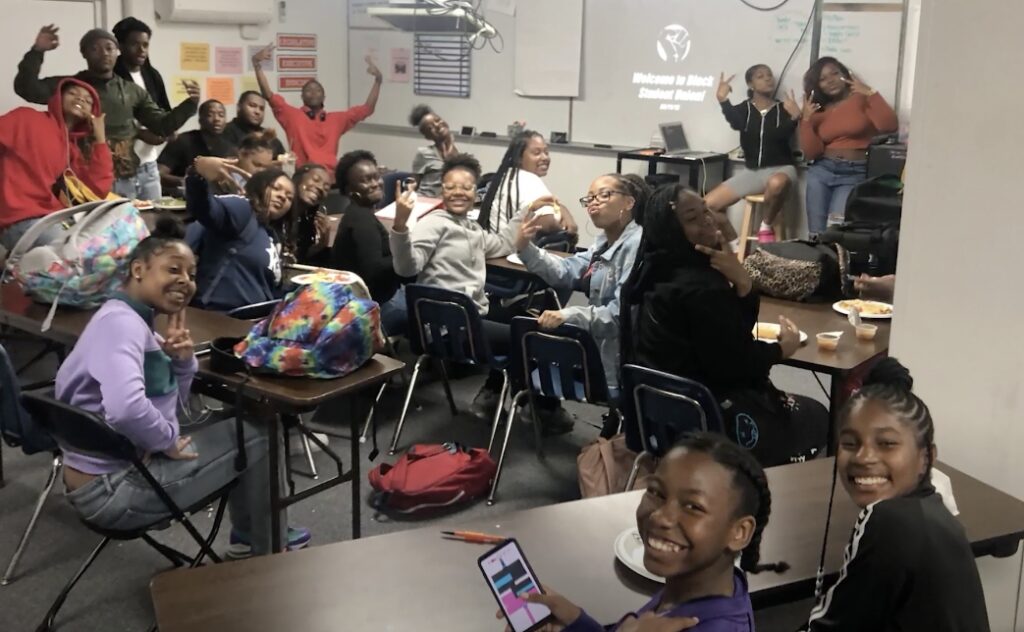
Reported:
(858, 86)
(810, 107)
(178, 342)
(724, 86)
(790, 104)
(219, 170)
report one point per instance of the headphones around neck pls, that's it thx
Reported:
(321, 114)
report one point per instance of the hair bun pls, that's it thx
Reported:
(889, 372)
(168, 227)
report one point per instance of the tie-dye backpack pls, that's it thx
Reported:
(86, 263)
(322, 329)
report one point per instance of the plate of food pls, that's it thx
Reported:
(629, 548)
(769, 332)
(514, 258)
(335, 276)
(170, 204)
(868, 309)
(143, 205)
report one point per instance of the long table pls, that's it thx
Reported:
(283, 395)
(415, 580)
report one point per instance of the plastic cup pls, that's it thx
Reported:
(828, 342)
(866, 331)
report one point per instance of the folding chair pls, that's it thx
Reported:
(563, 363)
(446, 326)
(259, 311)
(86, 433)
(659, 408)
(19, 431)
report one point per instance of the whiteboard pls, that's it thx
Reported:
(22, 20)
(621, 38)
(492, 104)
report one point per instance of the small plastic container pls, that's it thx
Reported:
(828, 341)
(866, 331)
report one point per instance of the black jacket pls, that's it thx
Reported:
(151, 77)
(908, 567)
(765, 139)
(362, 246)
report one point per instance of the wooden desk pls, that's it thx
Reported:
(19, 311)
(414, 580)
(294, 395)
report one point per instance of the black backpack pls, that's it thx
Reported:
(869, 237)
(795, 270)
(16, 426)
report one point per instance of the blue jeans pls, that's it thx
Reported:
(13, 233)
(144, 186)
(829, 183)
(394, 316)
(124, 500)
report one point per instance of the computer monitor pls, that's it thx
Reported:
(674, 136)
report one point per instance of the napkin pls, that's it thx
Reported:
(944, 487)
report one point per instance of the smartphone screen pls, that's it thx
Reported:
(510, 577)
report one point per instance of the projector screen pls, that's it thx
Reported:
(653, 61)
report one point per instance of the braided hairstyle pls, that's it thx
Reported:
(506, 181)
(637, 188)
(889, 383)
(749, 479)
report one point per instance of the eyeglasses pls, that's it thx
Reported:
(600, 196)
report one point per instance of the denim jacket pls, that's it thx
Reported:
(609, 271)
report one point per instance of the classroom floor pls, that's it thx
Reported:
(114, 595)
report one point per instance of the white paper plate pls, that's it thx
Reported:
(177, 208)
(839, 307)
(629, 548)
(309, 277)
(776, 327)
(514, 258)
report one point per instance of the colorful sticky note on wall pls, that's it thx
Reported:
(177, 88)
(221, 89)
(249, 83)
(195, 56)
(227, 60)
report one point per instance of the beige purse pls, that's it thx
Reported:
(604, 465)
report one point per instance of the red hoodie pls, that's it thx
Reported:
(35, 149)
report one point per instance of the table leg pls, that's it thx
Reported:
(273, 460)
(357, 500)
(652, 166)
(618, 164)
(694, 169)
(834, 393)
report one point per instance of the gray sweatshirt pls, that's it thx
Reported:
(448, 251)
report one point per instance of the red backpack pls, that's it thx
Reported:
(432, 476)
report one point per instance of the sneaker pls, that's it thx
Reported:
(557, 421)
(484, 404)
(766, 236)
(240, 548)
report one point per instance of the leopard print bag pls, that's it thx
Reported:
(795, 271)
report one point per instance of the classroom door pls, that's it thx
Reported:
(21, 22)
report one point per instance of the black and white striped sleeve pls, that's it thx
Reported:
(872, 580)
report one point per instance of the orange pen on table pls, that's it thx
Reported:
(474, 536)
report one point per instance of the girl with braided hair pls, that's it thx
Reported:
(519, 190)
(689, 309)
(908, 564)
(707, 504)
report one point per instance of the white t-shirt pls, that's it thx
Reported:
(147, 153)
(528, 187)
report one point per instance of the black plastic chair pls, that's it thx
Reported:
(388, 182)
(19, 431)
(255, 311)
(86, 433)
(659, 408)
(446, 326)
(563, 363)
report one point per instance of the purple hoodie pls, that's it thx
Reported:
(117, 369)
(716, 614)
